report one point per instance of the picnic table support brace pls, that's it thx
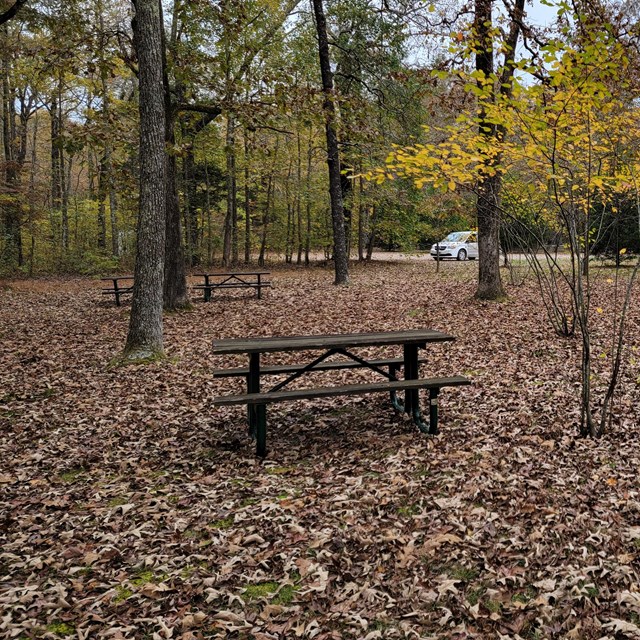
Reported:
(207, 289)
(259, 288)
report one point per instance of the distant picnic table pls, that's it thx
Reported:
(117, 290)
(232, 280)
(341, 344)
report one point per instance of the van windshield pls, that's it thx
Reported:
(457, 236)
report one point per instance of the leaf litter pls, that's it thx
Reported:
(130, 507)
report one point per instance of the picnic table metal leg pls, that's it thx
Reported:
(410, 373)
(411, 396)
(117, 292)
(433, 411)
(261, 439)
(207, 289)
(259, 288)
(253, 386)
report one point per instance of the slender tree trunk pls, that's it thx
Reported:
(299, 199)
(265, 220)
(32, 194)
(373, 219)
(145, 337)
(340, 257)
(229, 235)
(361, 214)
(175, 294)
(208, 213)
(102, 199)
(191, 211)
(113, 211)
(11, 214)
(307, 241)
(247, 201)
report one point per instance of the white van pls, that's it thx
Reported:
(459, 245)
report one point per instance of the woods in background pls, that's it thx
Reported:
(245, 127)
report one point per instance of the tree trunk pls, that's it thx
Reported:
(265, 220)
(113, 211)
(362, 211)
(373, 219)
(299, 199)
(175, 295)
(307, 241)
(229, 235)
(488, 204)
(145, 337)
(102, 200)
(340, 257)
(247, 202)
(12, 167)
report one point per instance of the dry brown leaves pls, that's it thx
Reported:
(131, 508)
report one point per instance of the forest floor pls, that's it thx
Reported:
(130, 507)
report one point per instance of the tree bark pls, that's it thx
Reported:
(12, 255)
(488, 202)
(145, 337)
(489, 187)
(247, 200)
(175, 294)
(340, 258)
(229, 233)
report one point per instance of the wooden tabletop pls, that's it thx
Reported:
(118, 278)
(236, 273)
(344, 340)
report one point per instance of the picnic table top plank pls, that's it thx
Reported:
(320, 341)
(117, 278)
(235, 273)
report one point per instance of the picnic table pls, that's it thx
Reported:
(256, 399)
(235, 280)
(117, 289)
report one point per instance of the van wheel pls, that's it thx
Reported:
(462, 254)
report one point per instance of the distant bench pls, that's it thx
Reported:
(118, 290)
(256, 400)
(244, 280)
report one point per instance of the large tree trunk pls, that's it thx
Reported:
(340, 258)
(488, 204)
(145, 337)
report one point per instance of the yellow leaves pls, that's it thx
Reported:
(600, 310)
(622, 251)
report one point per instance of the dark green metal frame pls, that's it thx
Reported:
(235, 279)
(257, 414)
